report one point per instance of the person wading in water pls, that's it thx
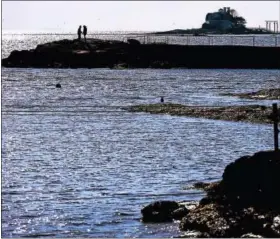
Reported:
(79, 32)
(85, 31)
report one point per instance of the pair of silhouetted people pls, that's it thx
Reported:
(80, 32)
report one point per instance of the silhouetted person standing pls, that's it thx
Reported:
(79, 32)
(85, 31)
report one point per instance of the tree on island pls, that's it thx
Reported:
(236, 19)
(233, 13)
(239, 21)
(224, 19)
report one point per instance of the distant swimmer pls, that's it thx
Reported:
(58, 85)
(162, 99)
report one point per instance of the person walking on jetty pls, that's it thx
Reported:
(85, 31)
(79, 32)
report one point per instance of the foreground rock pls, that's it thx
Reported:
(160, 211)
(245, 203)
(266, 94)
(250, 113)
(100, 53)
(166, 211)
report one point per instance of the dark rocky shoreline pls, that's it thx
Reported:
(245, 203)
(249, 113)
(117, 54)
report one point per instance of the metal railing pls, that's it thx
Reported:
(272, 40)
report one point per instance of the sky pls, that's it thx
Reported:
(66, 16)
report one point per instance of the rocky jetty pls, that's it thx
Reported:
(265, 94)
(248, 113)
(96, 53)
(245, 203)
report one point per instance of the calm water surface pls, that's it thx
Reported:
(74, 164)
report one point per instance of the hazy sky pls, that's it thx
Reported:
(65, 16)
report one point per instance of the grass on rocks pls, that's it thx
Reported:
(249, 113)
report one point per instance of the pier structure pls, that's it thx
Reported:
(268, 25)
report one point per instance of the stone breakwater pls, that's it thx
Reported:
(96, 53)
(248, 113)
(245, 203)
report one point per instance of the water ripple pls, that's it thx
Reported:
(88, 174)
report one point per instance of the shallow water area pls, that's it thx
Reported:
(75, 164)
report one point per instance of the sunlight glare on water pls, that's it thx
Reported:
(75, 164)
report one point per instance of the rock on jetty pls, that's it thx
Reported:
(245, 203)
(96, 53)
(248, 113)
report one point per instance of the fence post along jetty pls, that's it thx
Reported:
(276, 119)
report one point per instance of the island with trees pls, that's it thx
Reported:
(223, 21)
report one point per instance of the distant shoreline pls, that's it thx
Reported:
(265, 94)
(201, 31)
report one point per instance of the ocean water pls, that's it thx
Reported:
(75, 164)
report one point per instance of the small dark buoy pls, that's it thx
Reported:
(58, 85)
(161, 100)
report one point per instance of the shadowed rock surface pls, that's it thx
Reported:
(96, 53)
(250, 113)
(166, 211)
(245, 203)
(266, 94)
(160, 211)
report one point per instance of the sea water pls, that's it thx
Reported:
(75, 164)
